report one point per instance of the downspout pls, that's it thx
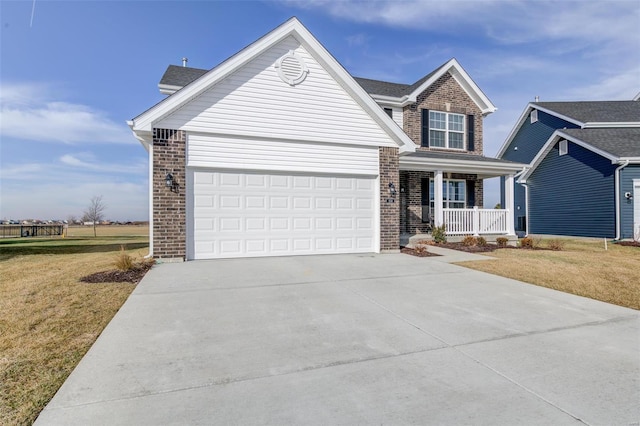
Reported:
(150, 255)
(526, 207)
(617, 197)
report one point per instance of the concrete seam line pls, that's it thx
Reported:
(463, 353)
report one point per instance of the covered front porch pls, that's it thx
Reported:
(439, 188)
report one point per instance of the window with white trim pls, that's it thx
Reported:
(454, 194)
(534, 116)
(563, 147)
(446, 130)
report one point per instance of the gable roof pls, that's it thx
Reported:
(398, 94)
(585, 114)
(595, 111)
(142, 125)
(617, 145)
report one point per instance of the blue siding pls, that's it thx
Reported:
(529, 140)
(573, 194)
(627, 175)
(531, 137)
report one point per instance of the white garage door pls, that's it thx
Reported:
(240, 214)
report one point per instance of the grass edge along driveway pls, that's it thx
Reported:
(49, 319)
(583, 268)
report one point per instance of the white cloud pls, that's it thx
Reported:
(30, 112)
(86, 161)
(622, 85)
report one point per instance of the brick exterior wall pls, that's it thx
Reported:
(169, 206)
(444, 95)
(445, 91)
(389, 212)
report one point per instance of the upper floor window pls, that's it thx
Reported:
(443, 130)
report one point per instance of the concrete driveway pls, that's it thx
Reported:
(354, 339)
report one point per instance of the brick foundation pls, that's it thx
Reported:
(389, 211)
(169, 205)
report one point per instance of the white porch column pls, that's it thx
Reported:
(438, 214)
(509, 203)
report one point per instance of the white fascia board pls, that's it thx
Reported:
(391, 100)
(485, 168)
(294, 28)
(631, 160)
(514, 131)
(354, 89)
(145, 138)
(161, 109)
(611, 125)
(464, 80)
(168, 89)
(555, 114)
(553, 139)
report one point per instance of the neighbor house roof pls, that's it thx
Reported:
(618, 145)
(585, 114)
(595, 111)
(624, 142)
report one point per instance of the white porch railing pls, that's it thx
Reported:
(476, 221)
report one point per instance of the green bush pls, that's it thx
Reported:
(439, 234)
(481, 242)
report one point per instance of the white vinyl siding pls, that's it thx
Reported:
(255, 102)
(248, 154)
(241, 214)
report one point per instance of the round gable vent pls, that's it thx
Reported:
(291, 68)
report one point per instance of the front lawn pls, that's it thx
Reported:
(48, 317)
(583, 267)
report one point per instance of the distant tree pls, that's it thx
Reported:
(95, 212)
(71, 219)
(498, 206)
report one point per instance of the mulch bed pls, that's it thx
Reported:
(413, 252)
(133, 275)
(629, 243)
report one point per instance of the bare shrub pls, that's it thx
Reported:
(469, 241)
(481, 241)
(124, 261)
(527, 242)
(420, 248)
(502, 241)
(556, 244)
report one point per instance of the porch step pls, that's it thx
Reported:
(409, 240)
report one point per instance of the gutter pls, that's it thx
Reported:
(526, 207)
(617, 197)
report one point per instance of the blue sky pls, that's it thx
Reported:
(72, 73)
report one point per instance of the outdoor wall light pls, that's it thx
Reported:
(168, 180)
(628, 195)
(171, 183)
(392, 189)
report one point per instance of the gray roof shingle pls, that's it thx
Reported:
(181, 76)
(596, 111)
(621, 142)
(458, 156)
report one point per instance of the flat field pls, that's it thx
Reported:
(48, 318)
(583, 267)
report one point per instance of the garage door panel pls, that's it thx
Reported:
(244, 214)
